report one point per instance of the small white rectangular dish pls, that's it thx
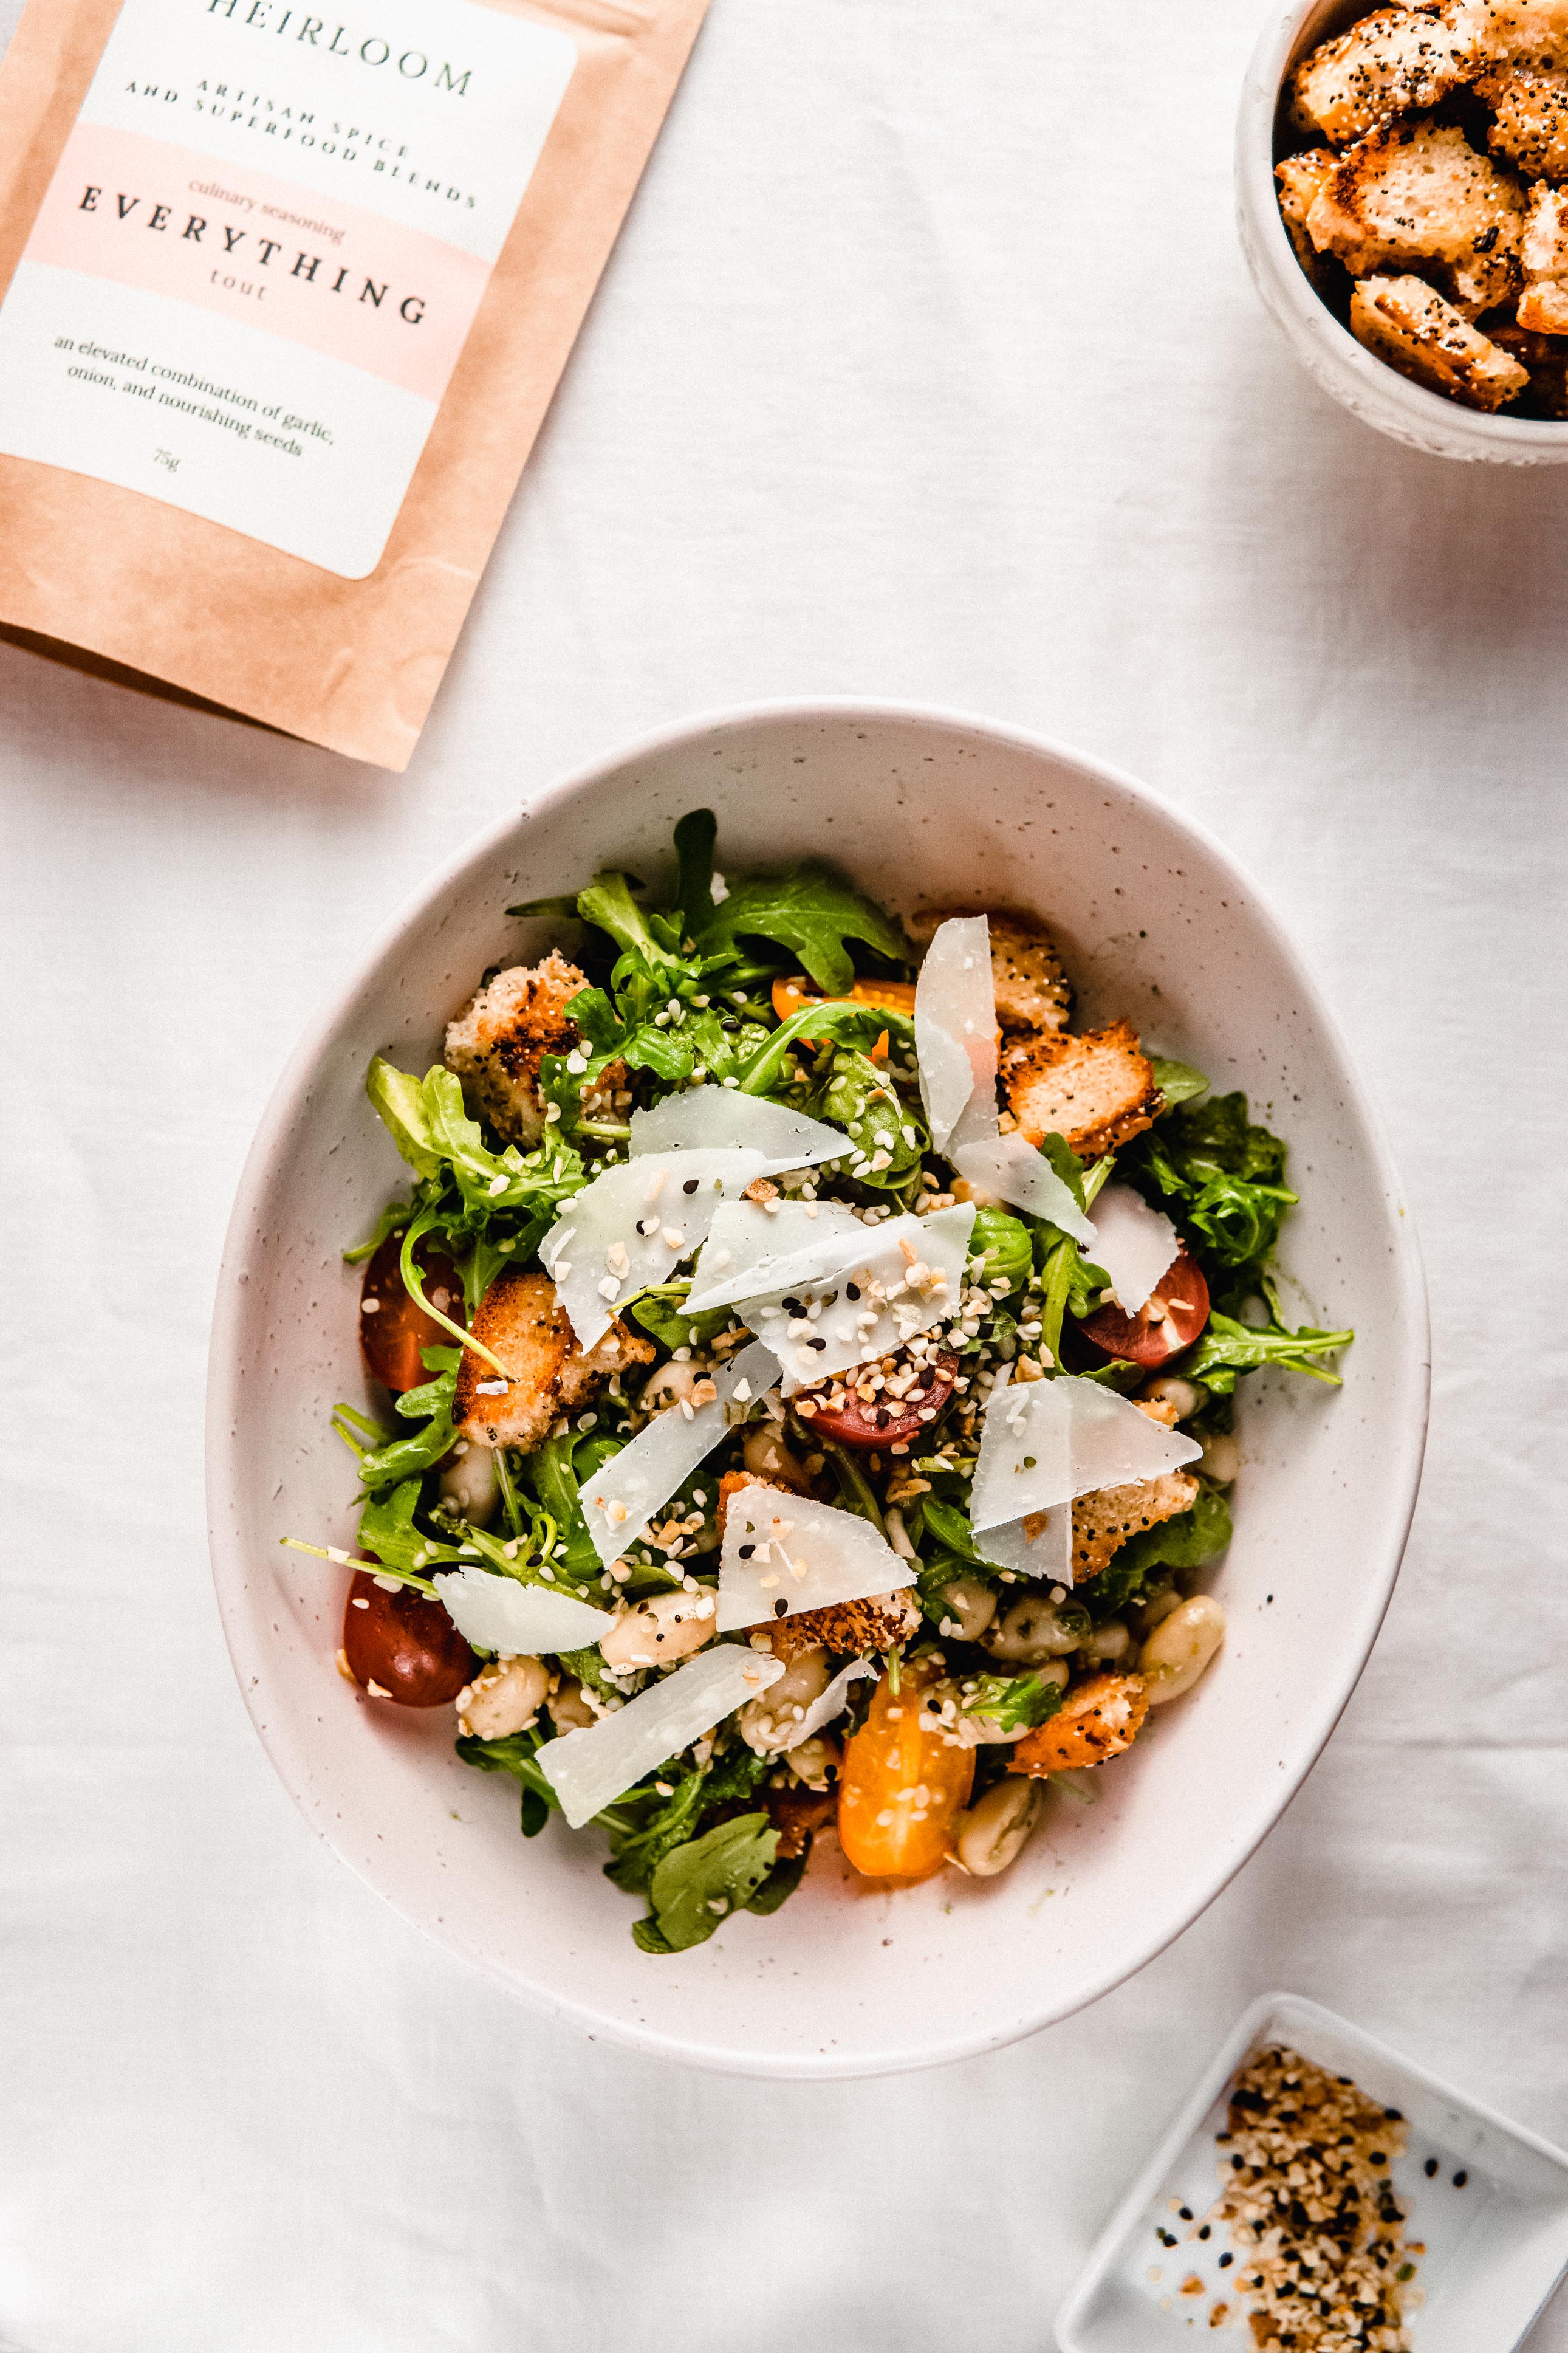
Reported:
(1492, 2217)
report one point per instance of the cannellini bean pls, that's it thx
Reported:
(569, 1711)
(1035, 1629)
(1220, 1460)
(1180, 1647)
(502, 1699)
(656, 1632)
(997, 1827)
(1169, 1388)
(1112, 1640)
(767, 1722)
(983, 1731)
(469, 1484)
(1157, 1605)
(971, 1605)
(766, 1456)
(809, 1763)
(667, 1386)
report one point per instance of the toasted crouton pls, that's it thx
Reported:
(1531, 33)
(1302, 179)
(1102, 1523)
(1417, 191)
(1392, 60)
(497, 1045)
(878, 1624)
(1031, 989)
(1543, 307)
(1404, 322)
(1530, 118)
(1097, 1090)
(519, 1321)
(1097, 1719)
(1543, 249)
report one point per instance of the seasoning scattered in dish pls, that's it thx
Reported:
(1427, 212)
(1322, 2257)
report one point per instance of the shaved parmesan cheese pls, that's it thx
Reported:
(1133, 1243)
(1026, 1454)
(499, 1613)
(831, 1704)
(622, 1495)
(1039, 1546)
(713, 1117)
(790, 1550)
(1114, 1445)
(750, 1250)
(1046, 1441)
(1011, 1167)
(955, 1031)
(589, 1770)
(855, 1293)
(595, 1252)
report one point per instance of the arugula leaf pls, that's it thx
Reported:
(1005, 1244)
(557, 1470)
(779, 1886)
(1015, 1703)
(696, 1885)
(400, 1457)
(1191, 1540)
(386, 1530)
(1067, 1165)
(659, 1311)
(635, 1853)
(1225, 1177)
(515, 1755)
(1228, 1348)
(695, 836)
(808, 909)
(608, 903)
(1177, 1081)
(950, 1526)
(846, 1023)
(857, 1096)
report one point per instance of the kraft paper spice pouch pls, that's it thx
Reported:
(287, 295)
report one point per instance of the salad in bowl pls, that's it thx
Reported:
(809, 1364)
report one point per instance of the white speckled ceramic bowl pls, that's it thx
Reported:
(1155, 921)
(1331, 355)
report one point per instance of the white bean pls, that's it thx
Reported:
(658, 1631)
(767, 1724)
(569, 1711)
(1035, 1629)
(1220, 1460)
(810, 1761)
(996, 1829)
(1169, 1388)
(469, 1484)
(667, 1386)
(503, 1699)
(1180, 1647)
(971, 1605)
(766, 1456)
(1112, 1640)
(1157, 1605)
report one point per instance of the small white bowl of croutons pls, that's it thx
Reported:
(1401, 199)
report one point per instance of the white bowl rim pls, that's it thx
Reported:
(1412, 412)
(1408, 1444)
(1250, 2029)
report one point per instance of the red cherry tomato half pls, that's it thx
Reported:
(869, 1423)
(404, 1644)
(1170, 1322)
(392, 1330)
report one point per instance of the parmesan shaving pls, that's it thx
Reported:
(516, 1620)
(955, 1031)
(854, 1293)
(709, 1118)
(831, 1704)
(1114, 1445)
(1039, 1546)
(1045, 1441)
(1133, 1243)
(1011, 1167)
(620, 1498)
(607, 1217)
(790, 1550)
(590, 1769)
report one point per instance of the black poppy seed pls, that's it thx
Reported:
(690, 1186)
(746, 1551)
(1430, 2168)
(1206, 2233)
(1187, 2213)
(792, 1307)
(816, 1343)
(1460, 2179)
(1225, 2261)
(781, 1608)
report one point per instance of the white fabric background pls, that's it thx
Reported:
(926, 366)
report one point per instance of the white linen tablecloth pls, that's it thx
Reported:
(927, 366)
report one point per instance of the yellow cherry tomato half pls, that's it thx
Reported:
(790, 996)
(903, 1784)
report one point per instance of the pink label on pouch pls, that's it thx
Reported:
(264, 252)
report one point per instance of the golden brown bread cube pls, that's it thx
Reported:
(880, 1623)
(1031, 989)
(496, 1047)
(1417, 191)
(1530, 118)
(1520, 32)
(1302, 179)
(519, 1321)
(1097, 1719)
(1392, 60)
(1406, 322)
(1097, 1090)
(1102, 1523)
(1546, 358)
